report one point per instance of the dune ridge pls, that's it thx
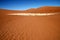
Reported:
(44, 9)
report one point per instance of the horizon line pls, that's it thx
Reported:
(29, 8)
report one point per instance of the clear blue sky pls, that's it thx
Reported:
(26, 4)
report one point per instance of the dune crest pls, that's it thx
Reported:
(44, 9)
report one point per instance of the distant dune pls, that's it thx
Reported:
(44, 9)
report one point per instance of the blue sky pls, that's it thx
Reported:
(26, 4)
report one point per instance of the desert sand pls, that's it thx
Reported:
(29, 27)
(44, 9)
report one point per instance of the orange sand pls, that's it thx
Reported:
(30, 27)
(44, 9)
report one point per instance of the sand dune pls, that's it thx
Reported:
(16, 27)
(44, 9)
(29, 27)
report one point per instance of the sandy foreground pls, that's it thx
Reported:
(16, 27)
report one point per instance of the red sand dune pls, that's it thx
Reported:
(29, 27)
(45, 9)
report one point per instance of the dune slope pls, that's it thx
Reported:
(30, 27)
(44, 9)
